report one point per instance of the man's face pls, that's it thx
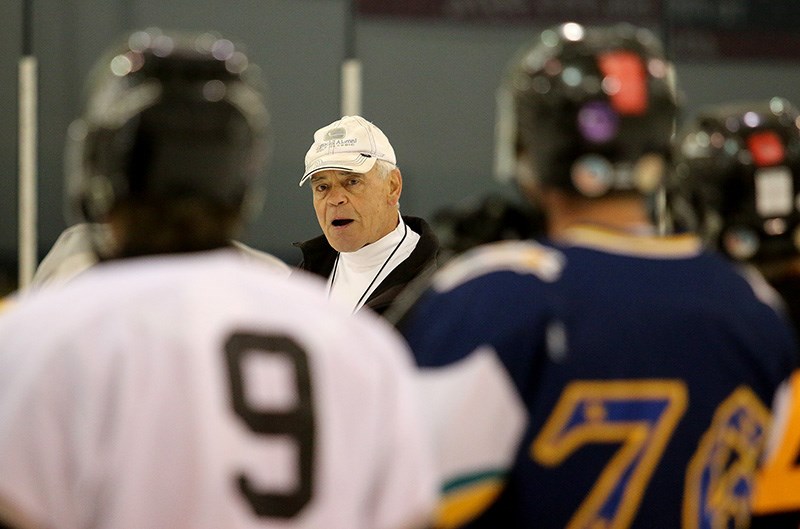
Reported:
(355, 209)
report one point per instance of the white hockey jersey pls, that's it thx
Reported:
(203, 392)
(72, 254)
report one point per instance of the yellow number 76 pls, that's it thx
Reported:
(641, 415)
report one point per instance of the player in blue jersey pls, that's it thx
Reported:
(736, 181)
(607, 376)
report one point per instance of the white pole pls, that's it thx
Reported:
(351, 67)
(351, 87)
(27, 156)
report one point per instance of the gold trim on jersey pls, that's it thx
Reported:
(522, 257)
(463, 503)
(634, 244)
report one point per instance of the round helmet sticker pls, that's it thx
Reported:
(592, 175)
(647, 172)
(740, 243)
(598, 122)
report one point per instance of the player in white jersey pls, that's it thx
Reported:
(178, 384)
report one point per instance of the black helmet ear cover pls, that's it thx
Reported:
(589, 103)
(168, 116)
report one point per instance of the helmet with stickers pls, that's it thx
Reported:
(592, 108)
(737, 178)
(168, 115)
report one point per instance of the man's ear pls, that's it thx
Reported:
(395, 186)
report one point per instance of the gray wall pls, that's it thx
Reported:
(429, 86)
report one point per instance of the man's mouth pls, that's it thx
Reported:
(338, 223)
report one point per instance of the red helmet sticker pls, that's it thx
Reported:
(766, 147)
(625, 81)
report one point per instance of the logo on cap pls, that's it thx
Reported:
(336, 134)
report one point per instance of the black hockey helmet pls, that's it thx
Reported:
(593, 107)
(736, 179)
(168, 116)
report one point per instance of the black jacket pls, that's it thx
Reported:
(319, 258)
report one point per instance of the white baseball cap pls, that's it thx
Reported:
(349, 144)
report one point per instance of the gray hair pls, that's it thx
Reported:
(384, 168)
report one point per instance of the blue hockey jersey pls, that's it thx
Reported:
(607, 381)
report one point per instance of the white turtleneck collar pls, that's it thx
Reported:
(356, 274)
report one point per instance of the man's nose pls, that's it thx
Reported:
(337, 196)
